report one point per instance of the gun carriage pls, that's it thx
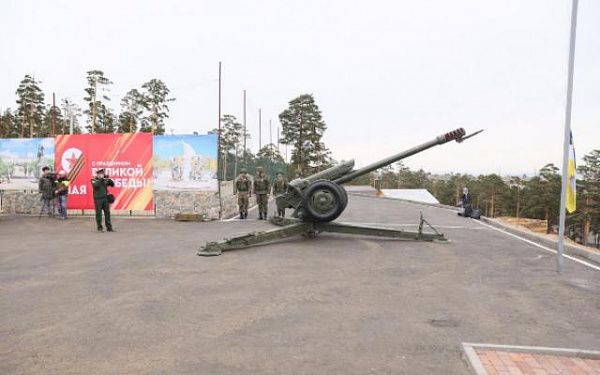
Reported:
(319, 199)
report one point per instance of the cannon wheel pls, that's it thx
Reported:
(344, 196)
(324, 200)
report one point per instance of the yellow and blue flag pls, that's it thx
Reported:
(572, 179)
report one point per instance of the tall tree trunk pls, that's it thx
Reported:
(457, 194)
(518, 204)
(94, 109)
(587, 222)
(154, 122)
(30, 124)
(235, 165)
(300, 144)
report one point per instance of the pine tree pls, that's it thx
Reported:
(513, 197)
(231, 140)
(30, 107)
(132, 108)
(155, 101)
(72, 112)
(51, 115)
(8, 125)
(107, 122)
(303, 128)
(588, 194)
(271, 154)
(490, 189)
(541, 195)
(97, 89)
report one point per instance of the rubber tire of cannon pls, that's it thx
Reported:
(339, 196)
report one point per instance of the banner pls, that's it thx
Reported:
(185, 162)
(126, 159)
(22, 160)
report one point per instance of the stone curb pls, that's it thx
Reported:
(569, 249)
(476, 366)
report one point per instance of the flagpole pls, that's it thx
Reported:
(566, 141)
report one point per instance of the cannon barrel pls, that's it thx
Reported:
(332, 173)
(439, 140)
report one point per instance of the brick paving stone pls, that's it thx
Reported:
(513, 363)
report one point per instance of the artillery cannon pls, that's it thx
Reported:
(319, 199)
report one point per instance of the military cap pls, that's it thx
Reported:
(243, 170)
(279, 172)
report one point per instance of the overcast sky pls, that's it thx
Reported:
(386, 74)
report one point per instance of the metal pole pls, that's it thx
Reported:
(53, 114)
(219, 149)
(566, 141)
(245, 132)
(259, 130)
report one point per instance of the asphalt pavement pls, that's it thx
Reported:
(140, 301)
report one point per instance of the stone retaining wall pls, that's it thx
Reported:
(166, 203)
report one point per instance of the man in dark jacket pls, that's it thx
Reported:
(466, 202)
(46, 188)
(100, 186)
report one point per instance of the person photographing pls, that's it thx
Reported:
(100, 185)
(46, 188)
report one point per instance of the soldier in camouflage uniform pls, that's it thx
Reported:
(261, 189)
(280, 186)
(242, 187)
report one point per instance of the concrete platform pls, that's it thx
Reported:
(140, 301)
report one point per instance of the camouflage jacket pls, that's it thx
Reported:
(261, 185)
(279, 187)
(242, 185)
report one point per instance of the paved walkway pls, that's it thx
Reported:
(504, 363)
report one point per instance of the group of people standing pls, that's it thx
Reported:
(261, 187)
(54, 190)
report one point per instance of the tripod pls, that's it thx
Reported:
(48, 205)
